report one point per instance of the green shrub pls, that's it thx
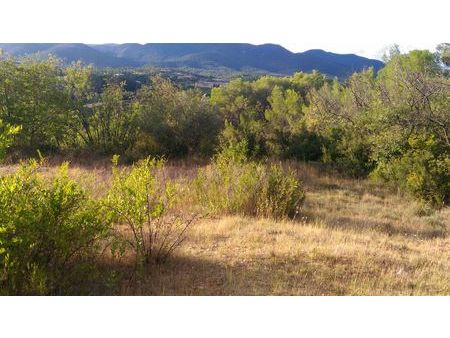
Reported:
(248, 188)
(6, 137)
(49, 233)
(227, 187)
(304, 145)
(176, 122)
(348, 153)
(423, 171)
(234, 152)
(280, 195)
(141, 199)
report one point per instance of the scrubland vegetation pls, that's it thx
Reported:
(294, 185)
(349, 237)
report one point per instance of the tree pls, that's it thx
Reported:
(113, 124)
(283, 117)
(175, 122)
(416, 92)
(79, 89)
(443, 52)
(341, 115)
(392, 51)
(32, 95)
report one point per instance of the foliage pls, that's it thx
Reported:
(32, 96)
(281, 194)
(373, 123)
(49, 233)
(342, 116)
(423, 171)
(7, 133)
(348, 152)
(235, 186)
(359, 125)
(112, 126)
(443, 53)
(175, 122)
(268, 115)
(142, 200)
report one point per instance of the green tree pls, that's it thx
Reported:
(175, 122)
(112, 126)
(342, 114)
(443, 51)
(32, 95)
(79, 89)
(283, 118)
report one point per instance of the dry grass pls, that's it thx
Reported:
(238, 256)
(354, 238)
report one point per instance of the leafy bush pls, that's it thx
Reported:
(174, 122)
(49, 233)
(281, 193)
(349, 153)
(6, 137)
(423, 171)
(248, 188)
(112, 125)
(304, 145)
(142, 200)
(32, 96)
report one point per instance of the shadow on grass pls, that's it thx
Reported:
(184, 276)
(357, 225)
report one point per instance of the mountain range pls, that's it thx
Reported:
(268, 58)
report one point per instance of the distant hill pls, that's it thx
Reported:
(68, 52)
(268, 58)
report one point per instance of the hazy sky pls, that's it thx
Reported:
(346, 26)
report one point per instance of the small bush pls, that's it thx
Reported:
(280, 195)
(142, 200)
(49, 233)
(248, 188)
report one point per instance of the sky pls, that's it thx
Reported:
(362, 27)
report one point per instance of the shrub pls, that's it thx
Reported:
(348, 153)
(228, 187)
(7, 133)
(422, 171)
(113, 123)
(142, 200)
(304, 145)
(49, 233)
(280, 195)
(176, 122)
(248, 188)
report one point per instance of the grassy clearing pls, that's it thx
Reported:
(240, 256)
(353, 238)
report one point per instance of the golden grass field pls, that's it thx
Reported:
(354, 237)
